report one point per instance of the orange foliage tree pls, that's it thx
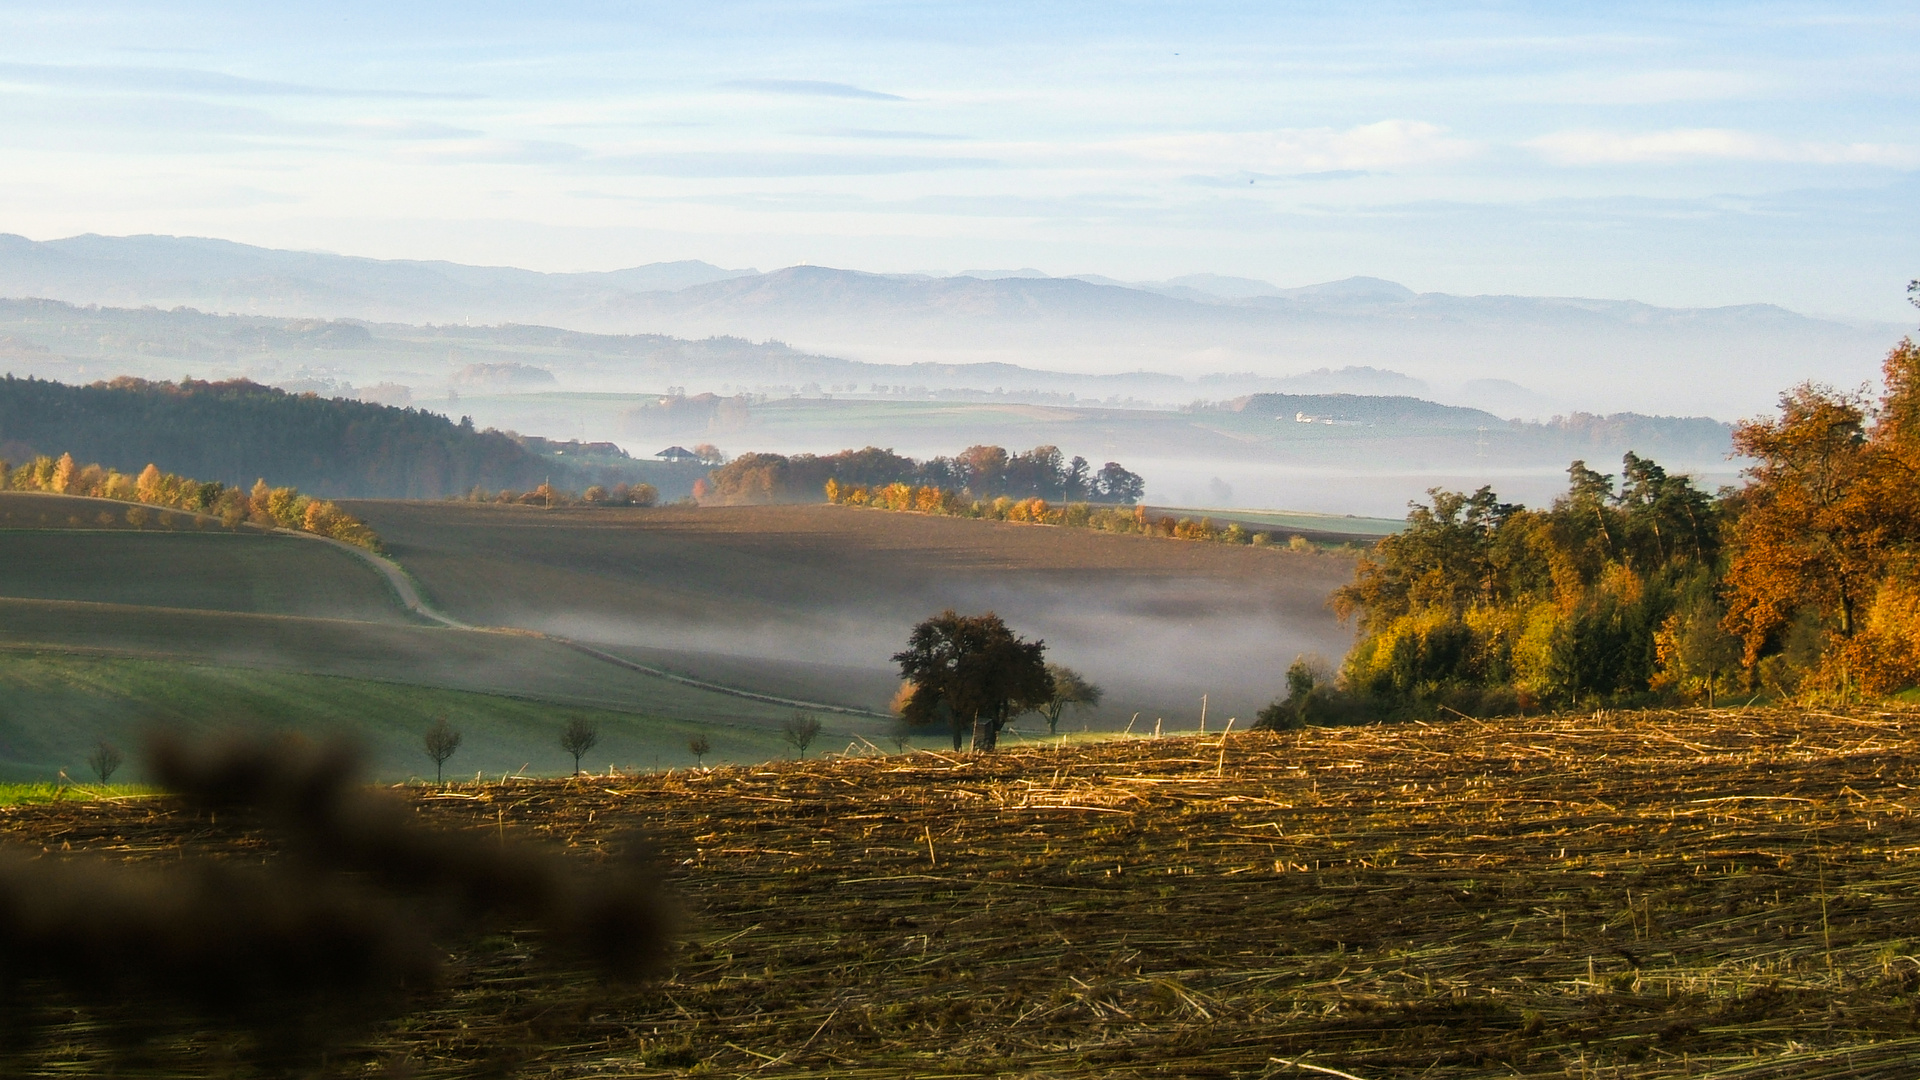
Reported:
(1826, 534)
(269, 507)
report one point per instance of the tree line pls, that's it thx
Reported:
(236, 429)
(980, 472)
(1135, 520)
(545, 494)
(1801, 584)
(265, 506)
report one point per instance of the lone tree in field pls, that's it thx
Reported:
(577, 738)
(1069, 688)
(800, 730)
(700, 748)
(971, 668)
(103, 759)
(441, 741)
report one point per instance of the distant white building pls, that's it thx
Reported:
(677, 455)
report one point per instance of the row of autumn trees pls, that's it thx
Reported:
(1802, 584)
(980, 472)
(269, 507)
(1133, 520)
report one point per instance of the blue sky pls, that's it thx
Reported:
(1675, 153)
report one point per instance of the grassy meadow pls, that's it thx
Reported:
(104, 632)
(57, 704)
(32, 510)
(247, 573)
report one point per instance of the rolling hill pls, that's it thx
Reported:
(239, 431)
(104, 631)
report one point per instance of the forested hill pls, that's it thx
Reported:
(238, 431)
(1579, 434)
(1368, 409)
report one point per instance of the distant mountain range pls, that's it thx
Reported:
(397, 363)
(1537, 354)
(1352, 439)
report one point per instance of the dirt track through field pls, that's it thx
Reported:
(1722, 895)
(102, 582)
(409, 596)
(1157, 622)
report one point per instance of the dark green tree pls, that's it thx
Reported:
(1294, 710)
(977, 669)
(1115, 483)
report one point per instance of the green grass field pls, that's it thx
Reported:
(35, 792)
(57, 704)
(34, 510)
(214, 571)
(104, 632)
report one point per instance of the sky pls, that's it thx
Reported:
(1680, 154)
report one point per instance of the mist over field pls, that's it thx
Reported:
(820, 597)
(1155, 648)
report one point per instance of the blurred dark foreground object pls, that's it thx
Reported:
(353, 912)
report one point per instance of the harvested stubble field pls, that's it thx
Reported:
(1708, 894)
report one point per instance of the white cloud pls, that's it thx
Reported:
(1382, 145)
(1686, 144)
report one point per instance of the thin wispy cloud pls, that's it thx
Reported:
(809, 88)
(773, 165)
(870, 133)
(190, 81)
(1660, 147)
(1383, 144)
(412, 130)
(499, 151)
